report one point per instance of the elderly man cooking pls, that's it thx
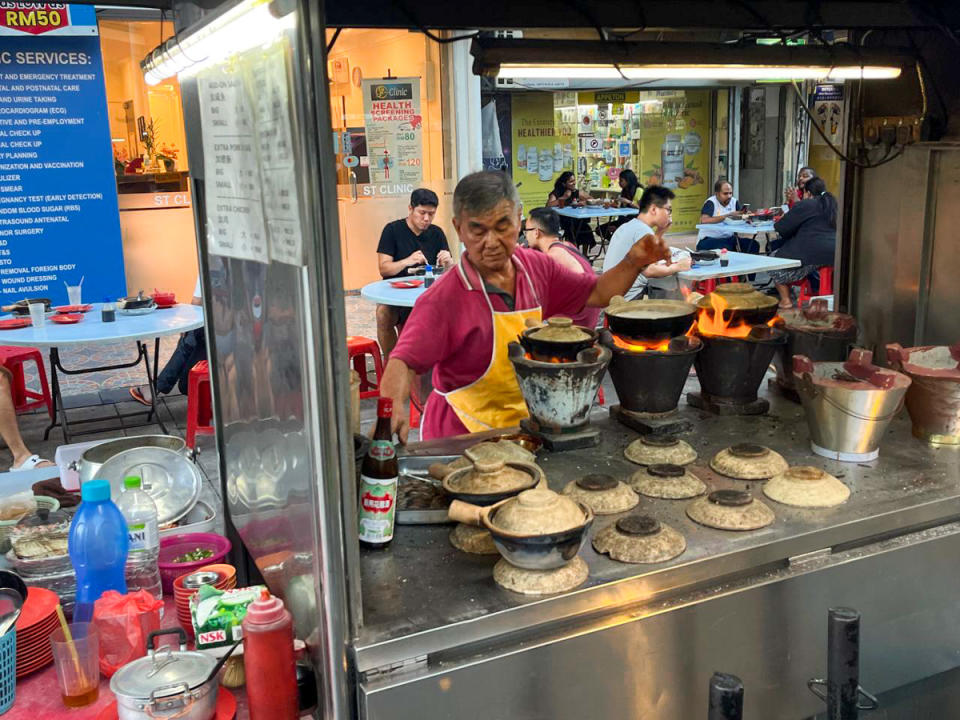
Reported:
(461, 327)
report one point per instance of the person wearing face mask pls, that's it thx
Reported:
(405, 244)
(462, 325)
(719, 206)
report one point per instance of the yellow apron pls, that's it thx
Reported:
(494, 399)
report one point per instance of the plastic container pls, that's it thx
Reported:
(66, 454)
(176, 545)
(269, 662)
(98, 547)
(44, 503)
(8, 670)
(140, 512)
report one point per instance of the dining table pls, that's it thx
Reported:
(129, 326)
(586, 213)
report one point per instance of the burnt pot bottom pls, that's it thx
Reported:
(733, 368)
(827, 346)
(650, 382)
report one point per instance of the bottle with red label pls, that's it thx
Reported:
(378, 483)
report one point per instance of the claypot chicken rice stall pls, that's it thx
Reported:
(605, 561)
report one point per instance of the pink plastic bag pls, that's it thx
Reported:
(124, 621)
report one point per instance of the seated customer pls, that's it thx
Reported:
(23, 459)
(809, 233)
(404, 244)
(656, 209)
(542, 232)
(719, 206)
(191, 349)
(566, 194)
(629, 197)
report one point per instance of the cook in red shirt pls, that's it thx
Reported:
(462, 325)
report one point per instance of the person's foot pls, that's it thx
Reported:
(786, 306)
(137, 394)
(29, 462)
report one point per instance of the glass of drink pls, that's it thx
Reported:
(38, 313)
(73, 294)
(77, 663)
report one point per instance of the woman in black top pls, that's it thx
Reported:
(565, 194)
(809, 234)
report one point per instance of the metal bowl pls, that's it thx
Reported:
(169, 478)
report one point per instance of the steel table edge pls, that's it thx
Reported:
(651, 586)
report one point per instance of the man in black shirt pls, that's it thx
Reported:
(404, 245)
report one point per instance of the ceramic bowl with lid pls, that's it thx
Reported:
(748, 461)
(806, 486)
(537, 530)
(558, 338)
(740, 303)
(669, 482)
(486, 482)
(639, 539)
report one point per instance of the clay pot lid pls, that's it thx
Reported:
(730, 510)
(639, 539)
(670, 482)
(493, 475)
(739, 296)
(654, 450)
(491, 451)
(748, 461)
(538, 512)
(559, 329)
(642, 309)
(805, 486)
(602, 493)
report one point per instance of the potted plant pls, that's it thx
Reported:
(168, 156)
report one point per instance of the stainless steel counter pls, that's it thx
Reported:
(421, 597)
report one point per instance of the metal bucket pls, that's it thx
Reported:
(846, 424)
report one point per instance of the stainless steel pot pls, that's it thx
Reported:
(92, 458)
(167, 683)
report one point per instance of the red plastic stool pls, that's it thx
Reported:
(705, 287)
(358, 348)
(13, 358)
(826, 280)
(199, 406)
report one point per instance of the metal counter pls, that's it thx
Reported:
(429, 608)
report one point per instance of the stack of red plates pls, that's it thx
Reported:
(37, 621)
(182, 595)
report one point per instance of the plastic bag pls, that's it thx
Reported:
(14, 507)
(124, 621)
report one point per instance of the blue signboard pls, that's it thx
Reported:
(58, 191)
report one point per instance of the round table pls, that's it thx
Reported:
(383, 293)
(52, 336)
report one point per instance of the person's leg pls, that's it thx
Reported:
(175, 368)
(715, 243)
(387, 319)
(9, 428)
(197, 347)
(784, 292)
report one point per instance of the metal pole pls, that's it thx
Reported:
(843, 663)
(726, 697)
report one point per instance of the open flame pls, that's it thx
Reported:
(712, 322)
(555, 360)
(641, 345)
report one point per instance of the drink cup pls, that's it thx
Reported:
(38, 314)
(73, 294)
(78, 664)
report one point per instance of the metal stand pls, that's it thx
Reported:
(656, 424)
(789, 393)
(722, 407)
(60, 413)
(585, 437)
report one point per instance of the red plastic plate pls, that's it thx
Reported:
(406, 284)
(68, 319)
(14, 323)
(63, 309)
(38, 607)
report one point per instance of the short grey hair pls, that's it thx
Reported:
(481, 191)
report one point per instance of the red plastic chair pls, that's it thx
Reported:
(13, 358)
(358, 347)
(199, 405)
(806, 289)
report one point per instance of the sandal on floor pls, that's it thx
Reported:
(31, 463)
(137, 394)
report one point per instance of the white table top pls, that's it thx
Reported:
(91, 329)
(595, 211)
(740, 264)
(740, 227)
(385, 294)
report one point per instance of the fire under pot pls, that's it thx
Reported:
(559, 396)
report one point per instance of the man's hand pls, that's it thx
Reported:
(648, 250)
(444, 258)
(661, 230)
(417, 258)
(736, 214)
(395, 384)
(789, 194)
(684, 263)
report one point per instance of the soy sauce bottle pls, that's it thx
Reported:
(378, 483)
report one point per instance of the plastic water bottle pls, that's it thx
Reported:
(140, 512)
(98, 547)
(428, 276)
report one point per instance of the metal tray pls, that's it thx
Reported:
(416, 466)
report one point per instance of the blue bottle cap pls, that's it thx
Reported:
(95, 491)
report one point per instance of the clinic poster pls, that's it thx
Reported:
(59, 220)
(394, 130)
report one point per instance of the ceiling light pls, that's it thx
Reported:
(696, 72)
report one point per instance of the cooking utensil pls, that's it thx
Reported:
(742, 304)
(166, 684)
(559, 338)
(167, 476)
(12, 580)
(11, 604)
(649, 319)
(94, 457)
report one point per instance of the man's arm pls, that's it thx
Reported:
(618, 279)
(666, 269)
(391, 268)
(395, 384)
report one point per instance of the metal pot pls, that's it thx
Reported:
(92, 458)
(167, 683)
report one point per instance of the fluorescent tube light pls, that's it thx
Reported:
(696, 72)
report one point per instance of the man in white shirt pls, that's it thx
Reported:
(656, 209)
(718, 207)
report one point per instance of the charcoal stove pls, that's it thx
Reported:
(559, 396)
(649, 377)
(730, 370)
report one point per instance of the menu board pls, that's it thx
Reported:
(250, 172)
(59, 221)
(394, 130)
